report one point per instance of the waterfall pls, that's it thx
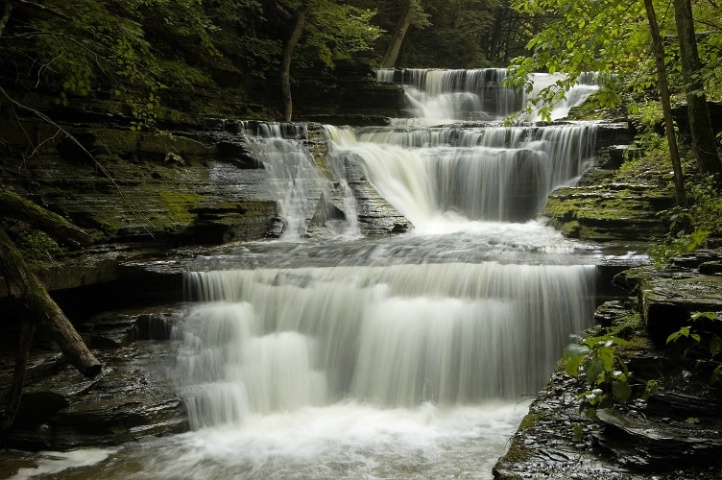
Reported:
(585, 85)
(273, 340)
(294, 180)
(446, 96)
(338, 356)
(457, 94)
(486, 174)
(357, 357)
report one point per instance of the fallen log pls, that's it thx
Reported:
(14, 206)
(24, 284)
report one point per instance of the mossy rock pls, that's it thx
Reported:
(607, 214)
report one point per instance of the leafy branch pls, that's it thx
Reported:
(696, 335)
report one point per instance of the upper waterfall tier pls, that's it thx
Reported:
(443, 96)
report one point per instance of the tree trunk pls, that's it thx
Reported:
(12, 400)
(700, 124)
(494, 40)
(658, 49)
(43, 309)
(288, 49)
(402, 26)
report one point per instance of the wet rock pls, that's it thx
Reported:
(679, 404)
(107, 330)
(155, 326)
(669, 295)
(132, 399)
(611, 213)
(696, 258)
(711, 268)
(610, 311)
(237, 153)
(674, 435)
(375, 215)
(645, 443)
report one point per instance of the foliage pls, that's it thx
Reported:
(581, 37)
(135, 52)
(120, 50)
(605, 372)
(336, 31)
(696, 336)
(453, 38)
(585, 36)
(693, 224)
(37, 247)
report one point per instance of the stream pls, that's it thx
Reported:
(330, 354)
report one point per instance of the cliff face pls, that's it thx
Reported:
(191, 181)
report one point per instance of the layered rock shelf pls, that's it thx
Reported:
(675, 434)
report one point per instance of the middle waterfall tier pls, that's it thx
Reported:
(434, 175)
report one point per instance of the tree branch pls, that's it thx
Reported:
(14, 395)
(72, 138)
(6, 16)
(45, 8)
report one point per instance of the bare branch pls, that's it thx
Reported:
(72, 138)
(6, 16)
(45, 9)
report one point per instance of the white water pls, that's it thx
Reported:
(292, 176)
(446, 177)
(441, 96)
(397, 336)
(575, 96)
(408, 357)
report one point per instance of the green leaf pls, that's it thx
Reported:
(715, 346)
(621, 391)
(572, 366)
(578, 430)
(717, 374)
(650, 389)
(674, 336)
(707, 315)
(593, 369)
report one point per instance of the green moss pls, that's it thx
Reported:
(570, 229)
(637, 344)
(516, 454)
(37, 247)
(178, 206)
(529, 421)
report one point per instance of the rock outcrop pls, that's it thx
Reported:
(675, 434)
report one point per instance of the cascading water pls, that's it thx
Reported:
(292, 176)
(408, 356)
(398, 336)
(585, 85)
(389, 355)
(461, 174)
(439, 96)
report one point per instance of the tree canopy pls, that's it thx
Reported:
(612, 38)
(137, 51)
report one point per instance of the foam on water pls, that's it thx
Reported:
(347, 440)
